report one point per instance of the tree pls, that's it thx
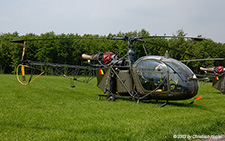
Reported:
(6, 49)
(69, 51)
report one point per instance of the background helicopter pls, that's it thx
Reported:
(148, 77)
(217, 77)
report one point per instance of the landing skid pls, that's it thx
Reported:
(112, 97)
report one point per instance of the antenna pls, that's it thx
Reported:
(167, 55)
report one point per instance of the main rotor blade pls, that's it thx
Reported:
(43, 39)
(18, 41)
(170, 48)
(194, 38)
(209, 59)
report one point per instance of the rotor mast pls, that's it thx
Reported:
(131, 53)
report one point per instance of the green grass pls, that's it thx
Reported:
(48, 109)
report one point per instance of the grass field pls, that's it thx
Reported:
(48, 109)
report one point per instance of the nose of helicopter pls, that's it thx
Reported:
(185, 90)
(191, 88)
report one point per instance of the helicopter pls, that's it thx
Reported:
(146, 78)
(217, 77)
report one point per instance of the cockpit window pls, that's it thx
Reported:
(152, 75)
(174, 80)
(180, 68)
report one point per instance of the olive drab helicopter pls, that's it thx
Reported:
(217, 77)
(146, 78)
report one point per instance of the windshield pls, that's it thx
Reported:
(180, 68)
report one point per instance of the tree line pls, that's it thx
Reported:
(68, 48)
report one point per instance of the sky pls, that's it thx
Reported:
(159, 17)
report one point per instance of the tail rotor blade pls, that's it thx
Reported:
(23, 74)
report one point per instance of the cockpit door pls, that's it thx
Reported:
(153, 75)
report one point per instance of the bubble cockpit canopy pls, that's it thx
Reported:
(157, 72)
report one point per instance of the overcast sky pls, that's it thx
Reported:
(194, 17)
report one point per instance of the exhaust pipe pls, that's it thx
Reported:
(90, 57)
